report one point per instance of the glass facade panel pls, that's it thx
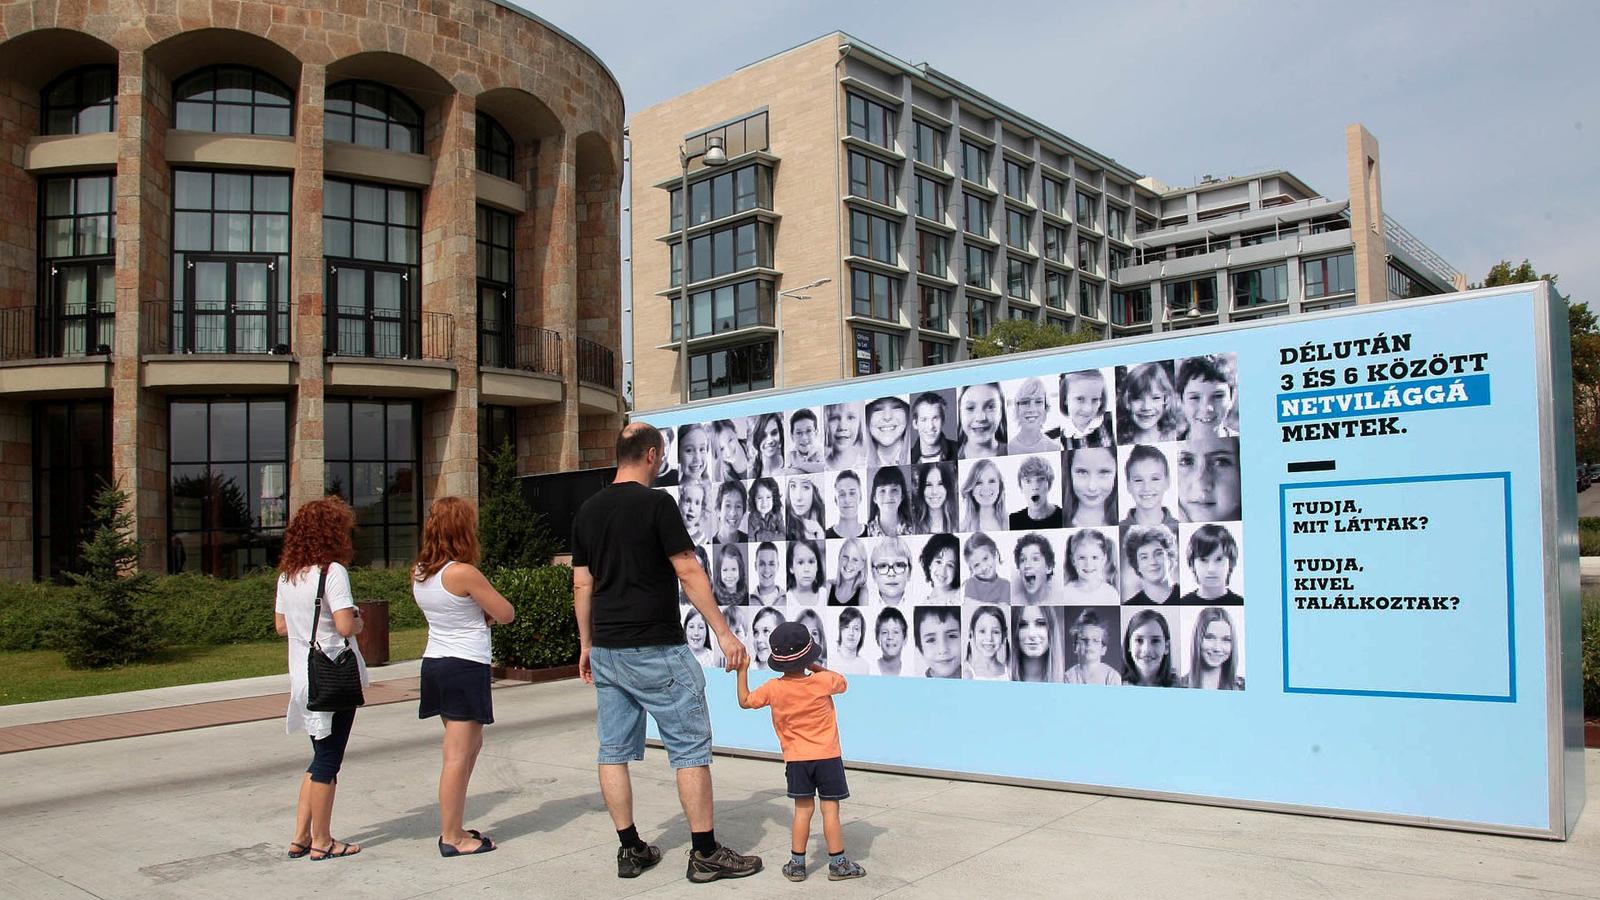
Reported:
(373, 115)
(875, 295)
(228, 491)
(734, 370)
(1259, 287)
(377, 476)
(870, 121)
(495, 151)
(233, 99)
(927, 143)
(71, 461)
(1329, 275)
(83, 101)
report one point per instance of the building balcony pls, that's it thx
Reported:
(55, 355)
(397, 353)
(520, 367)
(597, 377)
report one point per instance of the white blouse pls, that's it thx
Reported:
(297, 600)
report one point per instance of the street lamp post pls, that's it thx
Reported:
(714, 157)
(796, 293)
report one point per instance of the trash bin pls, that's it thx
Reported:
(374, 637)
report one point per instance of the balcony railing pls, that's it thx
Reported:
(537, 349)
(438, 335)
(596, 364)
(26, 334)
(248, 327)
(382, 334)
(1423, 253)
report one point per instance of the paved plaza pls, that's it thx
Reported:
(206, 813)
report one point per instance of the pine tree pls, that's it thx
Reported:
(112, 622)
(511, 534)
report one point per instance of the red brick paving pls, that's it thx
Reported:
(88, 729)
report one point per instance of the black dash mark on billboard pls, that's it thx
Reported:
(1311, 465)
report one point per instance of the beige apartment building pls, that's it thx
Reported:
(928, 211)
(258, 252)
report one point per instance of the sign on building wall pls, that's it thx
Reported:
(1307, 564)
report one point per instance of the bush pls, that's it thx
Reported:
(33, 615)
(545, 632)
(111, 621)
(511, 534)
(1591, 655)
(1589, 541)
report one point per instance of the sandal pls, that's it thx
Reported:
(330, 854)
(298, 850)
(485, 845)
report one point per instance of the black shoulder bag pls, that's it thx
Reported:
(334, 684)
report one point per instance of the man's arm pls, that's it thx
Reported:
(582, 594)
(697, 587)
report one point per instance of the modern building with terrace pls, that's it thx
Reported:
(930, 211)
(257, 252)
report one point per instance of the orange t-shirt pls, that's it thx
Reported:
(802, 713)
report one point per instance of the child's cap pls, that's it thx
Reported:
(792, 647)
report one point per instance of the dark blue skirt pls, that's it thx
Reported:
(456, 689)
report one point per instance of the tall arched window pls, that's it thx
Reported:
(83, 101)
(373, 115)
(495, 149)
(233, 100)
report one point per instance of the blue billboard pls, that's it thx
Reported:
(1323, 564)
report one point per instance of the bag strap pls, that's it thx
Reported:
(316, 618)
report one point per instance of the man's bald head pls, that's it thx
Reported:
(635, 441)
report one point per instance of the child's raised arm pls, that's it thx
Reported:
(744, 684)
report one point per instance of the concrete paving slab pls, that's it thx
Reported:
(177, 695)
(207, 813)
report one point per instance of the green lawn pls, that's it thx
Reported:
(42, 675)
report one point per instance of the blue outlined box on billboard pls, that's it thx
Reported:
(1399, 587)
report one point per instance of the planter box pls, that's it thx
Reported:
(1591, 733)
(374, 637)
(535, 676)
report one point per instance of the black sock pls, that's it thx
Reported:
(705, 842)
(630, 837)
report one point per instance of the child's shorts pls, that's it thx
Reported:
(820, 777)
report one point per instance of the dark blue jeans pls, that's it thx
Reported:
(327, 754)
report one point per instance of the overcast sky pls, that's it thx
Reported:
(1487, 113)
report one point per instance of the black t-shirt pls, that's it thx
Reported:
(1021, 521)
(626, 535)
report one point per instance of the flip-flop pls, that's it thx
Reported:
(302, 851)
(485, 845)
(329, 854)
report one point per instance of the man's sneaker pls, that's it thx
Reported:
(843, 871)
(721, 863)
(633, 861)
(794, 871)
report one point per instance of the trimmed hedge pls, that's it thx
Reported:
(193, 609)
(1591, 655)
(545, 632)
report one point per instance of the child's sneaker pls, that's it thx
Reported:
(843, 871)
(794, 871)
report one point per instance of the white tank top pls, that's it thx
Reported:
(455, 624)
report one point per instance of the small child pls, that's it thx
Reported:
(1213, 553)
(1084, 401)
(1089, 643)
(1206, 393)
(985, 585)
(1148, 480)
(766, 519)
(938, 633)
(1091, 566)
(806, 457)
(803, 716)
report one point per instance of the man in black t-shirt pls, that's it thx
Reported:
(630, 551)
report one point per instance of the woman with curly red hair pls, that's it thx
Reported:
(316, 549)
(459, 604)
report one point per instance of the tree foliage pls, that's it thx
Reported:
(1022, 335)
(112, 621)
(1584, 329)
(511, 533)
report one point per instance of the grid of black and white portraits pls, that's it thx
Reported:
(1080, 527)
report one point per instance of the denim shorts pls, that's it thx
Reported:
(664, 681)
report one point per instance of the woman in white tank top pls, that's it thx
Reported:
(459, 604)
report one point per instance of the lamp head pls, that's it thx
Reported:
(715, 155)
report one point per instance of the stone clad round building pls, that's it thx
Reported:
(256, 252)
